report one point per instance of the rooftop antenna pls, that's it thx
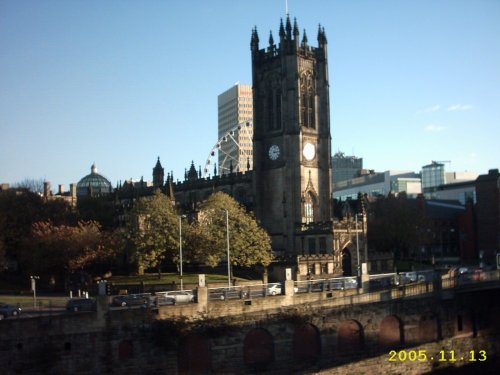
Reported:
(286, 7)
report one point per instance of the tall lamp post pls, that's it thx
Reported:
(33, 288)
(357, 242)
(228, 258)
(180, 249)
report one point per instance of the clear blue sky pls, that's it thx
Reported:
(122, 82)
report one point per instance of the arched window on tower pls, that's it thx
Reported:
(304, 111)
(311, 110)
(309, 208)
(307, 102)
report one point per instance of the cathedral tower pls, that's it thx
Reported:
(292, 143)
(158, 174)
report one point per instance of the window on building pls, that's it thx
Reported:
(312, 245)
(307, 104)
(324, 268)
(322, 245)
(309, 204)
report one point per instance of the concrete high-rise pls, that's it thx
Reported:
(235, 130)
(345, 167)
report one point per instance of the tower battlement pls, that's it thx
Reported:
(289, 43)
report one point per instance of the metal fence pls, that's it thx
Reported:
(245, 292)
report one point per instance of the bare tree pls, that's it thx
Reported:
(31, 184)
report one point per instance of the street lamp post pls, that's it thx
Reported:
(357, 242)
(33, 288)
(228, 258)
(180, 249)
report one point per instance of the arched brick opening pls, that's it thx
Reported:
(391, 333)
(193, 355)
(306, 343)
(428, 327)
(258, 349)
(350, 337)
(125, 349)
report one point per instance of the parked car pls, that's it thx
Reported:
(7, 310)
(81, 304)
(130, 300)
(351, 283)
(274, 289)
(227, 293)
(179, 295)
(161, 300)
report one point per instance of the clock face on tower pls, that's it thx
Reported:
(274, 152)
(309, 151)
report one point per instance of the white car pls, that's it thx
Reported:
(179, 295)
(274, 289)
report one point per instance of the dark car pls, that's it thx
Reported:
(227, 293)
(7, 310)
(131, 300)
(81, 304)
(161, 300)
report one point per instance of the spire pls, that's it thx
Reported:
(158, 164)
(295, 29)
(304, 39)
(254, 43)
(282, 30)
(158, 174)
(271, 40)
(192, 174)
(288, 28)
(321, 36)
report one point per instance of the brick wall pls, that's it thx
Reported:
(309, 336)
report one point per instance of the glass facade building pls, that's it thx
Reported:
(93, 184)
(433, 175)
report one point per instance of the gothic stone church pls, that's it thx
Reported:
(289, 188)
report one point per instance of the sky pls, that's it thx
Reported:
(120, 83)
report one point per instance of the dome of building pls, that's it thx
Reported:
(93, 184)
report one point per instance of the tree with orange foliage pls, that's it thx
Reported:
(56, 251)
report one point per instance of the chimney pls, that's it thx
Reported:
(46, 189)
(61, 189)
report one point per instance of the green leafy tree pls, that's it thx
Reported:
(249, 244)
(152, 231)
